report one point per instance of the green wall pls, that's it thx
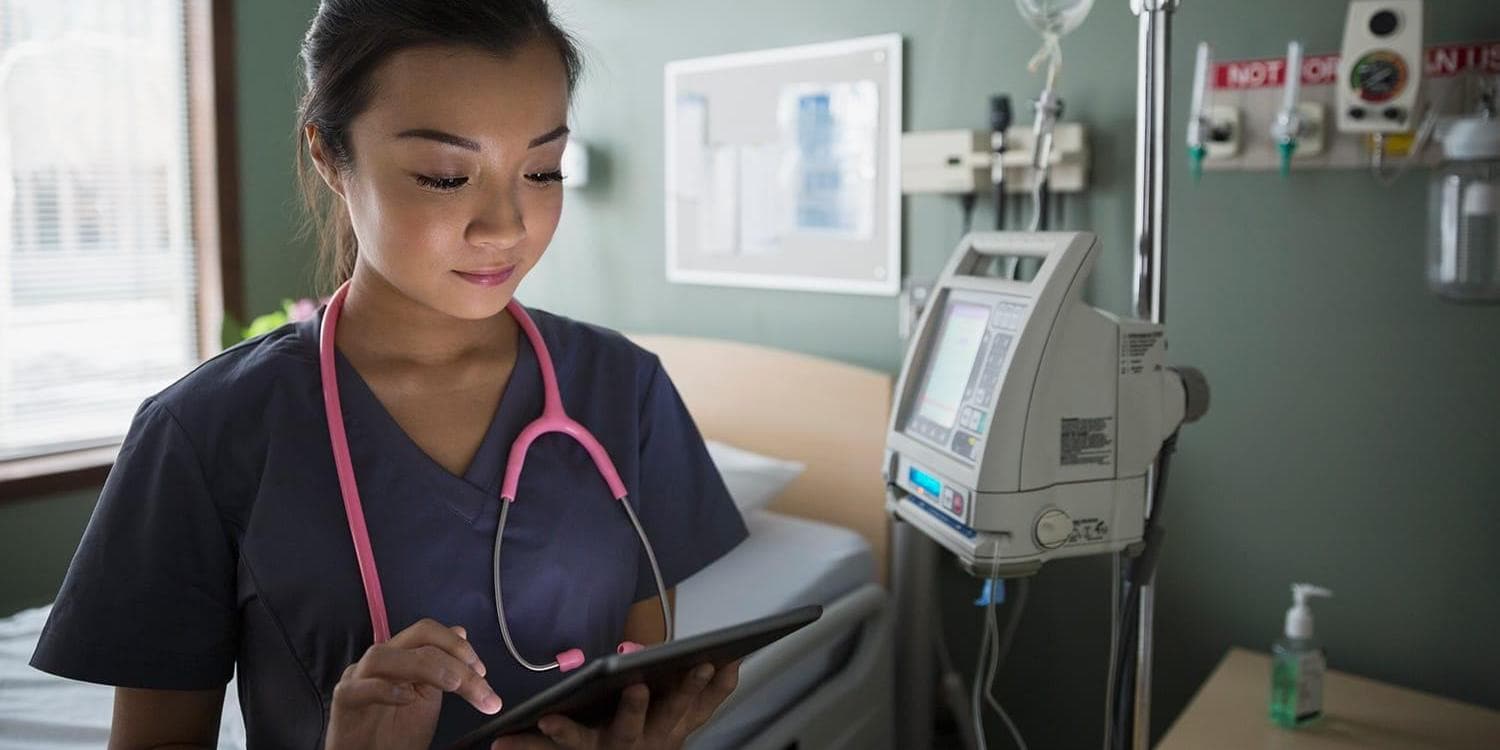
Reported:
(1354, 427)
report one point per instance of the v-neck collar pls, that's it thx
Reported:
(366, 418)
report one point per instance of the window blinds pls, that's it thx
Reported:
(97, 260)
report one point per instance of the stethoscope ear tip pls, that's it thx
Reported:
(569, 660)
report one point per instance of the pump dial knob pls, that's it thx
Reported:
(1053, 529)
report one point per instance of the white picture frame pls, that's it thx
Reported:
(783, 168)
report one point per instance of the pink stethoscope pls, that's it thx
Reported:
(553, 419)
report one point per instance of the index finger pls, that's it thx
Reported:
(430, 632)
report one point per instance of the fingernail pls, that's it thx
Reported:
(451, 682)
(492, 704)
(480, 668)
(549, 727)
(464, 634)
(703, 673)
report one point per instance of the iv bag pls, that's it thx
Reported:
(1054, 17)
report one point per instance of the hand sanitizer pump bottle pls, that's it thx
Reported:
(1297, 664)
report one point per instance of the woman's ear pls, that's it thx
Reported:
(322, 161)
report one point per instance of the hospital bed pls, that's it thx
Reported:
(822, 541)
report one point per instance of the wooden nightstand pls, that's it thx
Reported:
(1229, 712)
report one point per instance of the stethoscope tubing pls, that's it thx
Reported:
(553, 419)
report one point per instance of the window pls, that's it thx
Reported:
(109, 245)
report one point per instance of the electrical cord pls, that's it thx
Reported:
(1138, 572)
(1114, 646)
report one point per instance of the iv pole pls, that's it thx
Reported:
(915, 557)
(1153, 77)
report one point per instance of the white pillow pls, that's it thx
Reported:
(753, 480)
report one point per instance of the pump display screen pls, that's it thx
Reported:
(948, 370)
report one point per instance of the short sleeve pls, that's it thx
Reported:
(149, 599)
(682, 501)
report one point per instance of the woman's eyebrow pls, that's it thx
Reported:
(471, 145)
(557, 132)
(440, 137)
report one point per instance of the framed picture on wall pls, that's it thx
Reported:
(782, 168)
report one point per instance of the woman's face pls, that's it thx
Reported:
(454, 189)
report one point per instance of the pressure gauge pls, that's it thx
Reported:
(1380, 67)
(1379, 76)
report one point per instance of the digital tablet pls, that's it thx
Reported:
(590, 695)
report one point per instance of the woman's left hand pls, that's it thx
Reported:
(641, 722)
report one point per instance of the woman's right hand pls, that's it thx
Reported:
(389, 699)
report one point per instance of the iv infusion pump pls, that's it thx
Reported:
(1025, 421)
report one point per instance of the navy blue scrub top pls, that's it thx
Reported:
(220, 540)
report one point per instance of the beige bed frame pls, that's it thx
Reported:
(829, 415)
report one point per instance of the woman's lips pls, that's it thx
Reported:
(487, 277)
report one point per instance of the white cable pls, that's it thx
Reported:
(1001, 647)
(984, 646)
(1425, 129)
(1419, 144)
(1051, 54)
(1036, 199)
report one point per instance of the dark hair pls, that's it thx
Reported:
(347, 40)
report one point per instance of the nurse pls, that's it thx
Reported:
(222, 541)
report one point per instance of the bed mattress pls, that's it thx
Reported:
(42, 712)
(787, 562)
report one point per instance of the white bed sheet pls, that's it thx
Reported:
(41, 712)
(787, 562)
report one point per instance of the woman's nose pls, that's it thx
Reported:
(499, 221)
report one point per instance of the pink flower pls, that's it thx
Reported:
(302, 309)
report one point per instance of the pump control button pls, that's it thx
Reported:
(1395, 113)
(1356, 113)
(1053, 529)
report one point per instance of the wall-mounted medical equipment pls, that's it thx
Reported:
(1258, 92)
(1380, 67)
(962, 161)
(1396, 105)
(1213, 131)
(1000, 119)
(1463, 257)
(1298, 126)
(1025, 420)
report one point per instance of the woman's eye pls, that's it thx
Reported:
(545, 178)
(441, 183)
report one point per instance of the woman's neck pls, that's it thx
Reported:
(382, 325)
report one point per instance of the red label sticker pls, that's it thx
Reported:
(1321, 70)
